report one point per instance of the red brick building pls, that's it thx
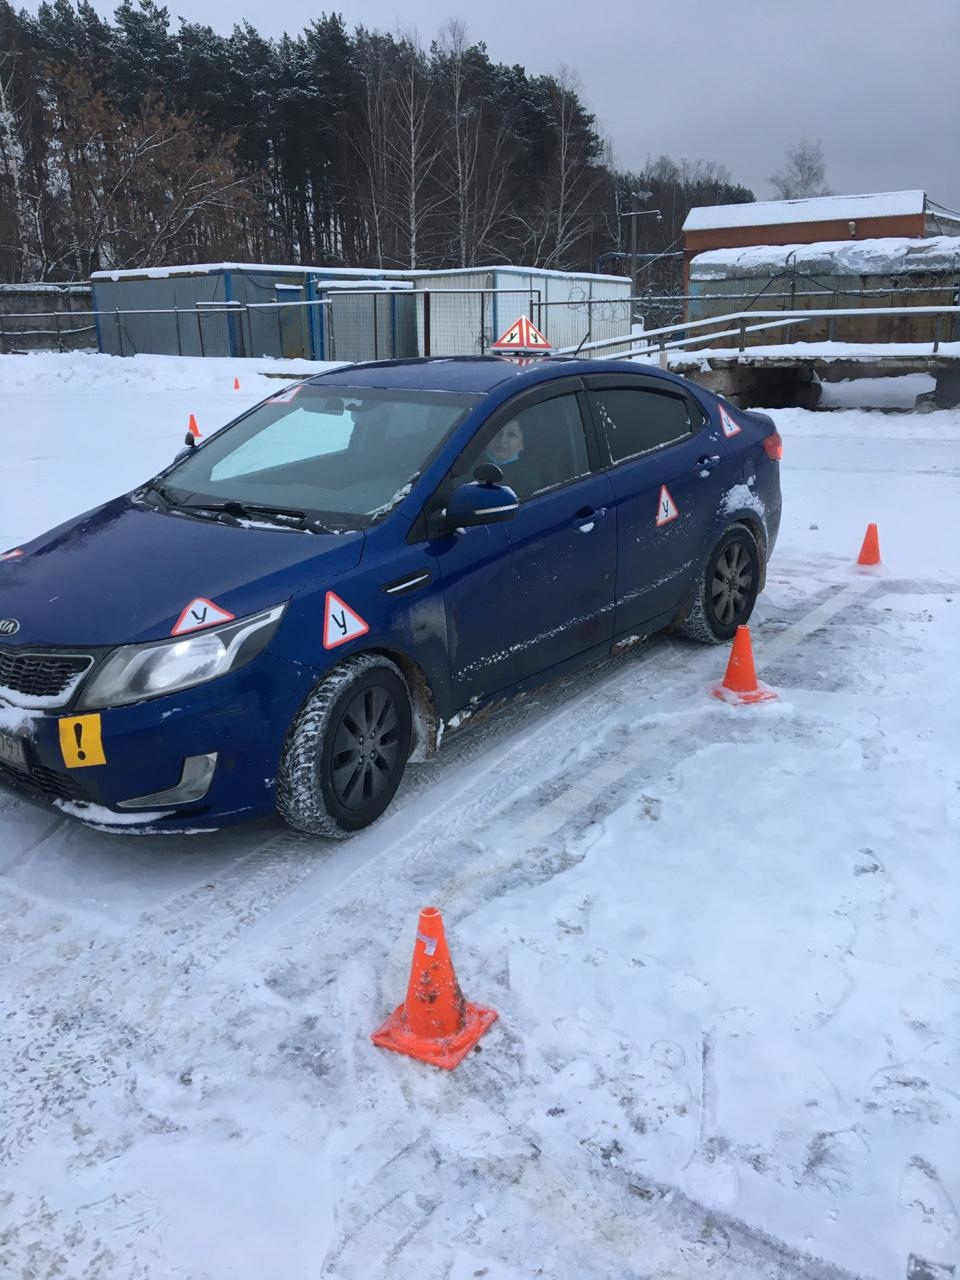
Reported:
(863, 217)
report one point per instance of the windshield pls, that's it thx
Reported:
(343, 455)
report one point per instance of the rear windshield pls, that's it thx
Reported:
(345, 455)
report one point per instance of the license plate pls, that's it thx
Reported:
(12, 751)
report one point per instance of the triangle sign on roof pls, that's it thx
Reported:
(523, 335)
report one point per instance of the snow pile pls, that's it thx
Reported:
(88, 371)
(684, 360)
(876, 393)
(887, 256)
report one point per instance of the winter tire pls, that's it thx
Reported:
(724, 596)
(347, 749)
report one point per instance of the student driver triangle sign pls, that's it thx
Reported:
(198, 614)
(340, 622)
(728, 425)
(666, 507)
(523, 335)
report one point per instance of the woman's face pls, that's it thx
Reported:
(507, 443)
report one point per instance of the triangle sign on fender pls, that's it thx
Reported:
(340, 622)
(728, 425)
(666, 507)
(523, 335)
(198, 614)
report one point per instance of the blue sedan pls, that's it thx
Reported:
(295, 608)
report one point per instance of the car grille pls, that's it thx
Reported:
(44, 783)
(41, 675)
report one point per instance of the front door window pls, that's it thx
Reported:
(541, 448)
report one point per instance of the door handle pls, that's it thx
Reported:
(587, 517)
(707, 463)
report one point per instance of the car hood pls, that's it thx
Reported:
(124, 573)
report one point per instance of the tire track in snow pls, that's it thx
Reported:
(490, 784)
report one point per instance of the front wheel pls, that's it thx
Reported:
(347, 749)
(724, 596)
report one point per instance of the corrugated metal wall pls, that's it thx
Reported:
(469, 311)
(370, 326)
(157, 328)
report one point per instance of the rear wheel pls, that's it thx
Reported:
(347, 750)
(727, 590)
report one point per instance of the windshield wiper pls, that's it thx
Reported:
(285, 517)
(163, 494)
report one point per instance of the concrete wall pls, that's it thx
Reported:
(42, 317)
(926, 290)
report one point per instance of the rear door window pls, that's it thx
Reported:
(636, 421)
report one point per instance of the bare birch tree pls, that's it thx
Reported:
(804, 173)
(567, 208)
(477, 163)
(368, 138)
(414, 144)
(11, 159)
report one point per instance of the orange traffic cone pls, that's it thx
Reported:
(870, 551)
(434, 1024)
(740, 683)
(236, 384)
(193, 428)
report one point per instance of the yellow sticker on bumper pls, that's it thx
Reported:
(80, 742)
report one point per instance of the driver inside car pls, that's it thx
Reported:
(506, 451)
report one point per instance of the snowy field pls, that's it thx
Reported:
(724, 942)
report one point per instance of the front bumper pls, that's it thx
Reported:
(239, 720)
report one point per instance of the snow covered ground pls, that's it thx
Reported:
(683, 361)
(724, 942)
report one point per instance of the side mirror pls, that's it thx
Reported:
(189, 441)
(480, 503)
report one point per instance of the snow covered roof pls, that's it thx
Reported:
(45, 288)
(505, 268)
(766, 213)
(886, 256)
(348, 273)
(267, 268)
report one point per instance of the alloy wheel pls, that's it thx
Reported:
(732, 584)
(366, 748)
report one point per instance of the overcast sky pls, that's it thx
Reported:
(734, 81)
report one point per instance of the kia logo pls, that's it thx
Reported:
(9, 626)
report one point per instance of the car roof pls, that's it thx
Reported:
(478, 374)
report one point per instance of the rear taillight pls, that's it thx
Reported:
(773, 446)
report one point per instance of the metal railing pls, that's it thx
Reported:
(738, 324)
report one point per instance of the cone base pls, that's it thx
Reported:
(760, 694)
(446, 1051)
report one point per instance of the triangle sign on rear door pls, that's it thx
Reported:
(666, 507)
(340, 622)
(728, 425)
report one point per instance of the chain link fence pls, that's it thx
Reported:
(342, 324)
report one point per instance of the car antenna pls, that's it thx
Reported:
(586, 338)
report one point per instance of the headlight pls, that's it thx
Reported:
(139, 671)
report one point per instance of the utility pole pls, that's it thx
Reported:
(637, 213)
